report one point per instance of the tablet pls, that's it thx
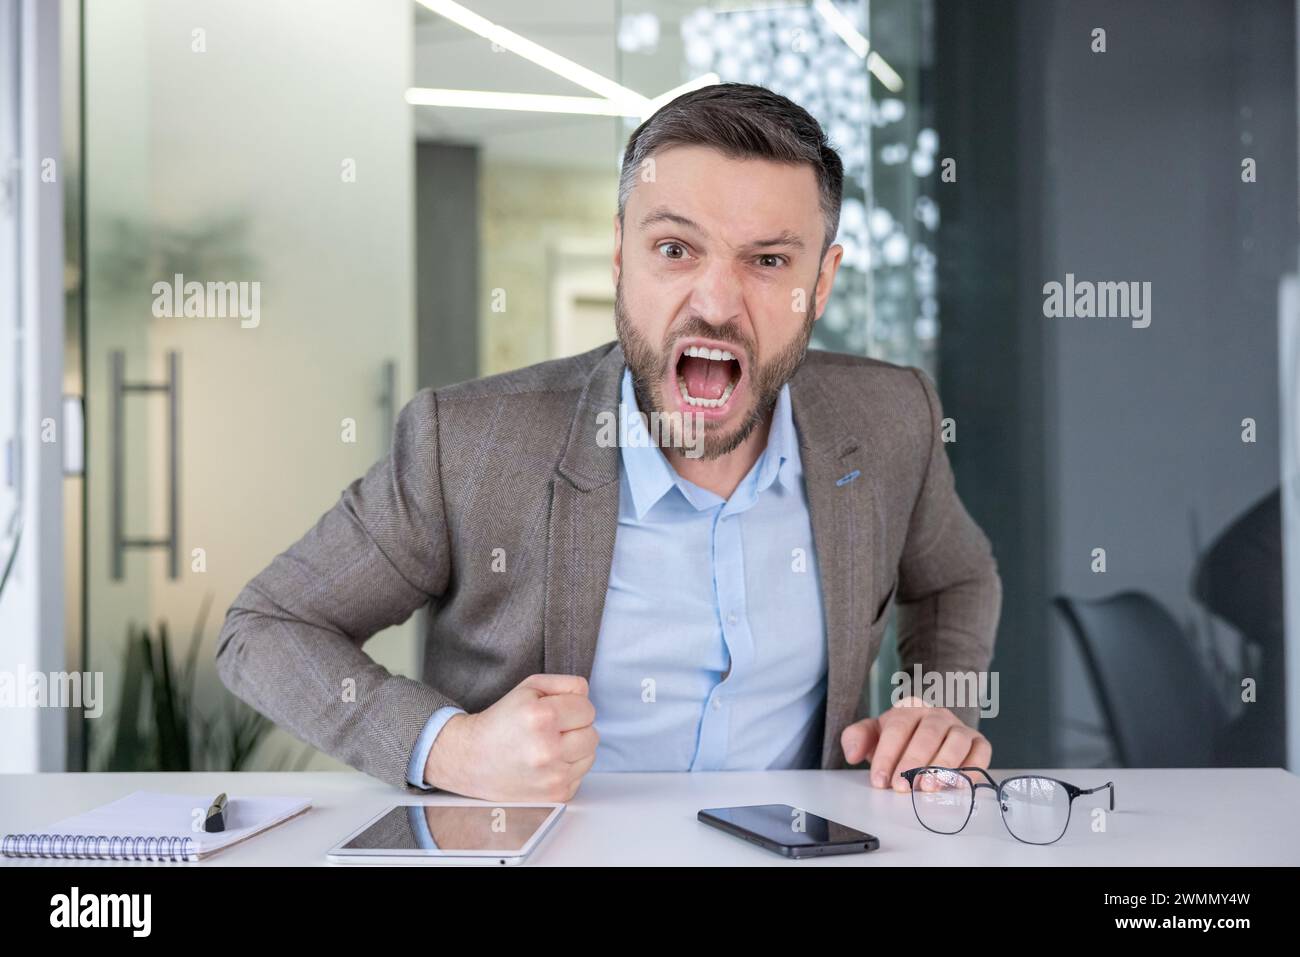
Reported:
(468, 833)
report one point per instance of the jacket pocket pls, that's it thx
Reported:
(881, 617)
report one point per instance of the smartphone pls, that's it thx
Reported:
(789, 831)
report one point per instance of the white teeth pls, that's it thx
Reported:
(705, 403)
(717, 355)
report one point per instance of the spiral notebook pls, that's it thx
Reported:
(150, 826)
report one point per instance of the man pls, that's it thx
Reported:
(598, 600)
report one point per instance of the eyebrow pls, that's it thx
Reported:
(663, 214)
(783, 238)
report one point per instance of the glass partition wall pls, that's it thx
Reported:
(248, 332)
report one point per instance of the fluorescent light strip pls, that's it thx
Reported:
(749, 6)
(885, 73)
(540, 103)
(859, 44)
(708, 79)
(524, 102)
(842, 26)
(547, 59)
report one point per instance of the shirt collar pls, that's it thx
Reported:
(781, 456)
(650, 476)
(648, 473)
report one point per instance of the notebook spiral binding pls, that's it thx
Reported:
(84, 847)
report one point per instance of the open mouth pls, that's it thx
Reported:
(707, 376)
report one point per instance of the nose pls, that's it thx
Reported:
(718, 295)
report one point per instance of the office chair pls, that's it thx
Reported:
(1158, 704)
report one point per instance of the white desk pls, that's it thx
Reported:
(1162, 817)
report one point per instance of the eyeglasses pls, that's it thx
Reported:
(1035, 809)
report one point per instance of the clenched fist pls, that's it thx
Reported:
(534, 744)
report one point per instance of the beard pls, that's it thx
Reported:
(649, 365)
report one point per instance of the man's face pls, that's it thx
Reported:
(719, 277)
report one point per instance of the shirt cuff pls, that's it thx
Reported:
(424, 744)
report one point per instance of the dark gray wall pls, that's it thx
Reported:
(446, 256)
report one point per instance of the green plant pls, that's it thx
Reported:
(159, 726)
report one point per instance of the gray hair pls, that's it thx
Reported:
(742, 121)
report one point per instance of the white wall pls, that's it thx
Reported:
(31, 614)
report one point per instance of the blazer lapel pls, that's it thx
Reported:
(839, 483)
(581, 528)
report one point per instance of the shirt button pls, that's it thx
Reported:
(731, 619)
(717, 704)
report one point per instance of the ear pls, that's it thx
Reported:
(826, 277)
(618, 248)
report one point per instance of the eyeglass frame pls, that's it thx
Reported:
(1072, 790)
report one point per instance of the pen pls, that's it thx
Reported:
(216, 819)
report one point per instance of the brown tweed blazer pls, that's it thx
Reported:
(512, 463)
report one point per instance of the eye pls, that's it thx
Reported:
(771, 261)
(672, 250)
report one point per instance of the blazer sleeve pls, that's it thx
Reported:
(291, 644)
(949, 592)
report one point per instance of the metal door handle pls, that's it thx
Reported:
(120, 389)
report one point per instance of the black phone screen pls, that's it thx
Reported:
(788, 826)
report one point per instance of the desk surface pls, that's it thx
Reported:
(1212, 816)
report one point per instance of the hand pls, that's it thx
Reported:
(913, 734)
(534, 744)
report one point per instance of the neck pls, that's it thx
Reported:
(721, 475)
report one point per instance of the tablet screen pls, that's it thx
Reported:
(452, 827)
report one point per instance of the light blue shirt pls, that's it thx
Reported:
(712, 650)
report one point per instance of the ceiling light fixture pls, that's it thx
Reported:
(527, 102)
(536, 53)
